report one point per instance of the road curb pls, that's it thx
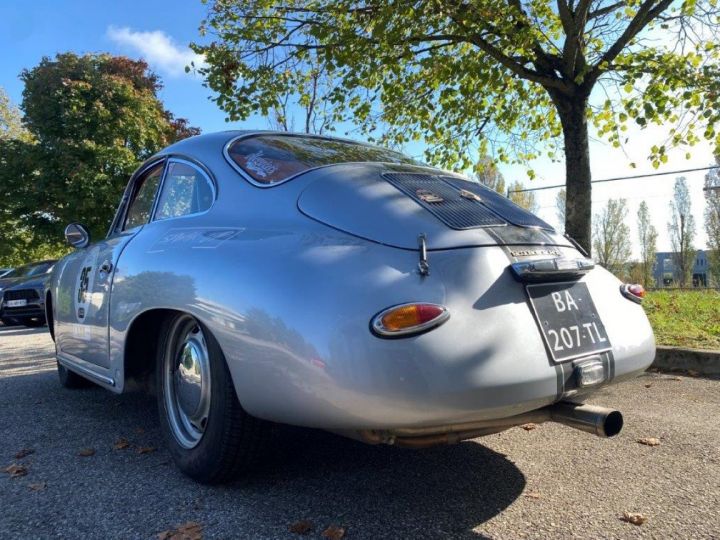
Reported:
(705, 362)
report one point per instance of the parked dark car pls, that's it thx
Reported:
(21, 294)
(4, 271)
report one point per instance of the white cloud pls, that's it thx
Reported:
(157, 48)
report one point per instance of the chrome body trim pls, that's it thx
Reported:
(551, 269)
(85, 371)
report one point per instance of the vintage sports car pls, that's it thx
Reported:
(262, 277)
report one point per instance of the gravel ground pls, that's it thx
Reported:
(548, 482)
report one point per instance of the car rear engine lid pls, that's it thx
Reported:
(462, 204)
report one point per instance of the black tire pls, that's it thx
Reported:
(70, 379)
(231, 440)
(32, 322)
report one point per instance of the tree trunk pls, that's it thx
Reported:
(578, 205)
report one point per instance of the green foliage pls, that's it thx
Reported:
(685, 318)
(11, 120)
(682, 233)
(93, 120)
(611, 236)
(511, 79)
(647, 236)
(453, 73)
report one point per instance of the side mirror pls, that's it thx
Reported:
(77, 235)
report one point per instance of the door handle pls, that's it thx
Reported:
(106, 267)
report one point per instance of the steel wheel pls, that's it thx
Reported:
(187, 382)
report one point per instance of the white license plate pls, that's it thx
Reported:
(16, 303)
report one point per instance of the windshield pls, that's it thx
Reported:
(29, 270)
(270, 159)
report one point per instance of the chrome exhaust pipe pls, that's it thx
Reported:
(592, 419)
(589, 418)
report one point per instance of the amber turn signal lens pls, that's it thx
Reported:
(409, 319)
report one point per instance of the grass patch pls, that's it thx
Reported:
(685, 318)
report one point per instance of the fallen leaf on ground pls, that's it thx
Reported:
(333, 532)
(25, 452)
(86, 452)
(301, 527)
(529, 427)
(146, 449)
(121, 443)
(532, 495)
(649, 441)
(15, 470)
(634, 518)
(648, 385)
(40, 486)
(187, 531)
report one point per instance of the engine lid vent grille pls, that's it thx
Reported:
(444, 201)
(499, 204)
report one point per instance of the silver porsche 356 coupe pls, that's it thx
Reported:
(261, 277)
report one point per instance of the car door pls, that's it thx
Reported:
(86, 279)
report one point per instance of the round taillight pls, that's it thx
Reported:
(637, 290)
(409, 319)
(634, 292)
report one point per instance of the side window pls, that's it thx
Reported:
(186, 190)
(141, 206)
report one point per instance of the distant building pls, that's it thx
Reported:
(665, 273)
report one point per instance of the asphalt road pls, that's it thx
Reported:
(548, 482)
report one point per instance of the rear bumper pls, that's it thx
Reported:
(488, 361)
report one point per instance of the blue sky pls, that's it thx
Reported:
(159, 31)
(31, 30)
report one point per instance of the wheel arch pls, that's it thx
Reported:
(141, 344)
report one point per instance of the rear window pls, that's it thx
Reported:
(270, 159)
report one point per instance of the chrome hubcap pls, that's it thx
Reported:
(187, 382)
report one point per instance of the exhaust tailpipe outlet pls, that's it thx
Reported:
(589, 418)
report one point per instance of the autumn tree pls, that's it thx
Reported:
(11, 120)
(507, 77)
(682, 233)
(488, 174)
(611, 236)
(647, 238)
(93, 119)
(712, 219)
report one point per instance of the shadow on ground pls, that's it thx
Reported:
(374, 491)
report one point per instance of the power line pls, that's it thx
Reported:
(622, 178)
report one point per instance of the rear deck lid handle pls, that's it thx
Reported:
(552, 269)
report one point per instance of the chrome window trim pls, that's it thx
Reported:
(251, 180)
(203, 173)
(120, 215)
